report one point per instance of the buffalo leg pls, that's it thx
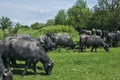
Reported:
(13, 62)
(35, 68)
(96, 49)
(27, 63)
(92, 48)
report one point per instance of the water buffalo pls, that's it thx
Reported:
(64, 40)
(8, 39)
(47, 42)
(113, 38)
(82, 42)
(23, 36)
(92, 40)
(30, 51)
(5, 73)
(85, 31)
(110, 39)
(99, 32)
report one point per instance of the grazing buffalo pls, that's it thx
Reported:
(99, 33)
(110, 39)
(47, 42)
(82, 42)
(113, 38)
(30, 51)
(85, 31)
(64, 40)
(92, 40)
(5, 73)
(23, 36)
(7, 41)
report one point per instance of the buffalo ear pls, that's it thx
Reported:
(5, 72)
(52, 64)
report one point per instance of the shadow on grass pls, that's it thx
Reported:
(22, 66)
(19, 68)
(19, 72)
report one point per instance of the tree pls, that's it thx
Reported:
(37, 25)
(14, 30)
(50, 22)
(80, 4)
(5, 23)
(60, 18)
(99, 18)
(79, 15)
(112, 10)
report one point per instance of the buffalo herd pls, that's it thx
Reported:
(23, 47)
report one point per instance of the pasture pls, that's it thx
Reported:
(74, 65)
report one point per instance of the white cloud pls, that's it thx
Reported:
(30, 11)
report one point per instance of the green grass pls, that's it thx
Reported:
(71, 64)
(74, 65)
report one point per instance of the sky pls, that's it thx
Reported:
(27, 12)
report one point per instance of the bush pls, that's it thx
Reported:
(56, 29)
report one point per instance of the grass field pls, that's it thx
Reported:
(74, 65)
(71, 64)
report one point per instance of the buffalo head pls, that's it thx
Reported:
(106, 47)
(7, 74)
(48, 67)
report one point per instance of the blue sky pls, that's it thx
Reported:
(30, 11)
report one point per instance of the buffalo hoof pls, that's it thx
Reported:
(48, 73)
(24, 73)
(35, 73)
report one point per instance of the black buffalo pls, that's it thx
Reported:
(110, 39)
(47, 42)
(64, 40)
(113, 38)
(92, 40)
(5, 73)
(7, 41)
(30, 51)
(99, 33)
(85, 31)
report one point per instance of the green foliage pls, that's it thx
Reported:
(60, 18)
(71, 65)
(14, 30)
(107, 14)
(56, 29)
(24, 26)
(79, 15)
(37, 25)
(1, 34)
(60, 29)
(5, 23)
(33, 33)
(50, 22)
(81, 3)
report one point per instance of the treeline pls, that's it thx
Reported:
(105, 15)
